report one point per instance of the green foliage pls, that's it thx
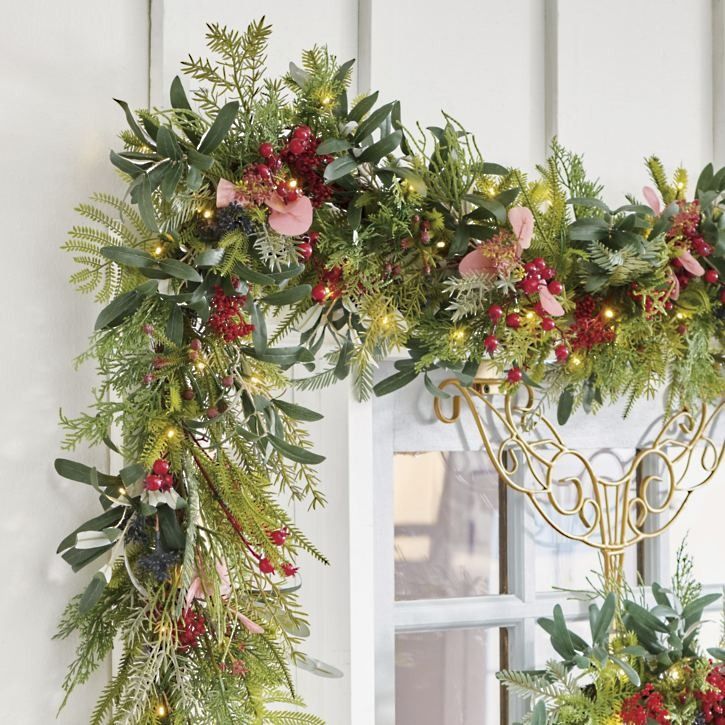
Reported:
(631, 646)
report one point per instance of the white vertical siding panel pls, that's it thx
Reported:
(635, 78)
(63, 63)
(481, 62)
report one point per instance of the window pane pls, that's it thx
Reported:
(447, 677)
(701, 517)
(446, 525)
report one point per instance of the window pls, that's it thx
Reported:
(464, 567)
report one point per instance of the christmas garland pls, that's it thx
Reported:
(642, 665)
(262, 195)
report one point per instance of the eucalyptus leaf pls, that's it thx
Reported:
(297, 412)
(219, 129)
(295, 453)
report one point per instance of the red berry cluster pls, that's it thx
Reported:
(644, 707)
(159, 479)
(266, 567)
(226, 318)
(537, 274)
(257, 183)
(712, 702)
(589, 328)
(330, 286)
(685, 231)
(189, 629)
(300, 155)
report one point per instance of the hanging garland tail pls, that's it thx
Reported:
(256, 199)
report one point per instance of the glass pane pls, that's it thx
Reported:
(563, 562)
(446, 525)
(447, 677)
(701, 517)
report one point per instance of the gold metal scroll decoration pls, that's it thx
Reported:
(607, 514)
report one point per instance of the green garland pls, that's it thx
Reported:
(641, 664)
(261, 199)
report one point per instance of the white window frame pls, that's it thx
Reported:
(516, 610)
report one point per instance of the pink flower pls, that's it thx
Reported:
(291, 219)
(199, 587)
(652, 199)
(228, 193)
(674, 290)
(253, 627)
(549, 303)
(691, 264)
(522, 222)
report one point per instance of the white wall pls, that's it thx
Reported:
(616, 80)
(62, 63)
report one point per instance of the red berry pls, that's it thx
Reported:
(265, 150)
(161, 467)
(188, 394)
(495, 313)
(320, 293)
(212, 412)
(228, 381)
(289, 569)
(490, 343)
(704, 249)
(296, 146)
(195, 344)
(168, 482)
(555, 287)
(531, 268)
(314, 237)
(264, 171)
(514, 375)
(153, 482)
(668, 306)
(681, 329)
(303, 132)
(513, 320)
(278, 537)
(561, 352)
(265, 566)
(304, 249)
(540, 263)
(530, 285)
(711, 276)
(548, 273)
(547, 324)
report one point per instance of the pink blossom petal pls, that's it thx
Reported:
(691, 265)
(225, 584)
(226, 193)
(652, 199)
(476, 262)
(274, 201)
(674, 286)
(551, 305)
(253, 627)
(522, 222)
(196, 591)
(290, 219)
